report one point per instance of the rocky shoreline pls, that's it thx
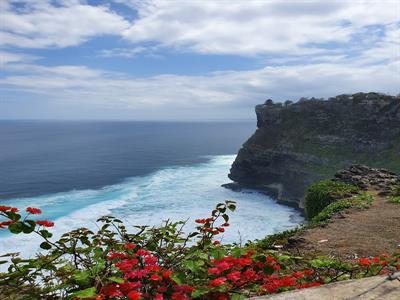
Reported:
(299, 143)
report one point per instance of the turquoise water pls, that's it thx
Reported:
(175, 193)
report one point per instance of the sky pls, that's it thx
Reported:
(189, 60)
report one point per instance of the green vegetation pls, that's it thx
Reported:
(395, 195)
(362, 200)
(157, 263)
(319, 195)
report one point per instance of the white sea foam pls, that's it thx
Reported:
(175, 193)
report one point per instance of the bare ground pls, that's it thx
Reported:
(355, 232)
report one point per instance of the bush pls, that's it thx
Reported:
(394, 196)
(396, 190)
(157, 263)
(320, 194)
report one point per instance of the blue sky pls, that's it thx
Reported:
(189, 60)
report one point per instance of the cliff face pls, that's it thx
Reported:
(299, 143)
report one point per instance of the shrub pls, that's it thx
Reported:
(331, 209)
(394, 197)
(322, 193)
(396, 190)
(161, 263)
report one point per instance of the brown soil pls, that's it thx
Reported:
(354, 232)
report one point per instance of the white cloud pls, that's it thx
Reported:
(255, 27)
(312, 48)
(148, 51)
(214, 90)
(43, 24)
(7, 57)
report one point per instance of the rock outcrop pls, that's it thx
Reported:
(299, 143)
(365, 177)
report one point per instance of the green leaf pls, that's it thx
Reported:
(268, 270)
(45, 245)
(238, 252)
(231, 206)
(226, 218)
(237, 297)
(87, 293)
(193, 265)
(46, 234)
(81, 277)
(178, 278)
(199, 292)
(15, 227)
(116, 279)
(27, 227)
(218, 253)
(13, 216)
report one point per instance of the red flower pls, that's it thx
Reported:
(276, 267)
(233, 276)
(34, 211)
(364, 262)
(221, 229)
(215, 271)
(150, 260)
(184, 288)
(159, 297)
(45, 223)
(152, 268)
(297, 275)
(222, 266)
(113, 255)
(127, 264)
(308, 285)
(179, 296)
(308, 272)
(5, 223)
(270, 259)
(200, 221)
(111, 290)
(129, 246)
(167, 274)
(133, 295)
(130, 285)
(142, 252)
(4, 208)
(155, 277)
(218, 281)
(375, 260)
(216, 242)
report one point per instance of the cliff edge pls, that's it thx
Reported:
(299, 143)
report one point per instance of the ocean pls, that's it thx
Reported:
(141, 172)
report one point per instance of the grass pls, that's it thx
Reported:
(395, 195)
(394, 199)
(321, 194)
(362, 200)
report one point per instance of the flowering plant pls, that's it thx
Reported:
(162, 262)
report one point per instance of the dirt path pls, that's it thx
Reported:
(355, 232)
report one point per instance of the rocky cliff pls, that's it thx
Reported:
(299, 143)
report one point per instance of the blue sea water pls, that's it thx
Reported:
(141, 172)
